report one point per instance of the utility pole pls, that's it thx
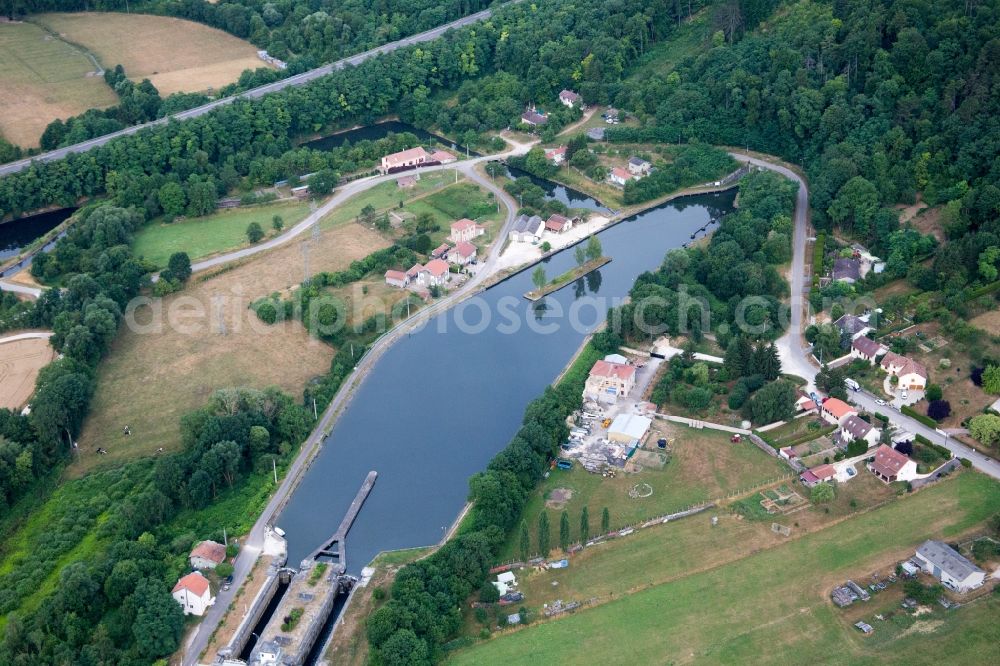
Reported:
(274, 465)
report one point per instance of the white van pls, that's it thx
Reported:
(853, 385)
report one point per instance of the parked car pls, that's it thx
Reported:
(905, 395)
(879, 401)
(227, 583)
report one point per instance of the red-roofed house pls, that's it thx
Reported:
(817, 474)
(406, 159)
(465, 230)
(415, 272)
(866, 348)
(609, 381)
(396, 279)
(556, 155)
(620, 176)
(803, 401)
(912, 375)
(443, 156)
(558, 224)
(836, 410)
(441, 251)
(570, 98)
(193, 593)
(462, 254)
(207, 555)
(891, 465)
(435, 273)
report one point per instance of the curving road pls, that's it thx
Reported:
(253, 93)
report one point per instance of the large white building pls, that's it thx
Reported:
(948, 565)
(193, 593)
(628, 428)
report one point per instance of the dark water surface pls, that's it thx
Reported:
(17, 234)
(442, 401)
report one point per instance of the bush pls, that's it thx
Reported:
(965, 462)
(926, 420)
(224, 569)
(934, 392)
(939, 410)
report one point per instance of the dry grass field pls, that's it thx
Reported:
(43, 79)
(176, 55)
(151, 379)
(20, 362)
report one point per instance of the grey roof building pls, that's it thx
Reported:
(851, 325)
(847, 270)
(950, 566)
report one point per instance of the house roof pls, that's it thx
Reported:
(947, 559)
(556, 222)
(442, 156)
(857, 427)
(888, 461)
(823, 472)
(637, 161)
(621, 173)
(632, 426)
(194, 582)
(465, 249)
(440, 250)
(525, 224)
(846, 269)
(406, 155)
(907, 365)
(838, 408)
(415, 270)
(851, 325)
(569, 95)
(210, 550)
(395, 275)
(436, 267)
(463, 224)
(606, 369)
(867, 346)
(552, 152)
(534, 118)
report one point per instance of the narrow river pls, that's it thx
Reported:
(16, 234)
(442, 401)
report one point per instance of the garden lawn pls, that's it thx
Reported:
(211, 234)
(704, 465)
(386, 196)
(773, 606)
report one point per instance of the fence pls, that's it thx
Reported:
(698, 424)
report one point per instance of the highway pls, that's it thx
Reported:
(253, 93)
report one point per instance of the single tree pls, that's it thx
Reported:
(991, 379)
(254, 233)
(543, 534)
(594, 248)
(605, 521)
(525, 541)
(580, 254)
(934, 392)
(584, 526)
(277, 223)
(822, 493)
(564, 535)
(545, 246)
(179, 266)
(939, 410)
(538, 277)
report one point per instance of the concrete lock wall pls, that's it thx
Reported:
(260, 602)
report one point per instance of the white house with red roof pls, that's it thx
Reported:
(435, 273)
(443, 156)
(207, 555)
(912, 375)
(556, 155)
(462, 254)
(570, 98)
(867, 349)
(609, 380)
(441, 251)
(558, 223)
(620, 176)
(836, 411)
(465, 230)
(817, 475)
(396, 279)
(890, 465)
(405, 159)
(193, 593)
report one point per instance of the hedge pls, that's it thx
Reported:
(923, 418)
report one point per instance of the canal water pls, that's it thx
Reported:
(442, 401)
(16, 234)
(373, 133)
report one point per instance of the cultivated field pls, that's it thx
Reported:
(211, 234)
(151, 379)
(771, 606)
(176, 55)
(20, 362)
(43, 79)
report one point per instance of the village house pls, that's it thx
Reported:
(396, 279)
(865, 348)
(638, 167)
(465, 230)
(558, 224)
(836, 411)
(816, 475)
(505, 582)
(846, 270)
(619, 176)
(804, 401)
(912, 375)
(533, 118)
(442, 157)
(462, 254)
(207, 555)
(193, 593)
(570, 99)
(853, 327)
(608, 381)
(435, 273)
(556, 155)
(441, 251)
(949, 566)
(890, 465)
(527, 229)
(856, 428)
(406, 159)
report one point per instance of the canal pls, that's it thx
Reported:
(17, 234)
(443, 400)
(373, 133)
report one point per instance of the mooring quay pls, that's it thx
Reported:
(305, 607)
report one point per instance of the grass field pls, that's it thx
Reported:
(211, 234)
(704, 465)
(386, 196)
(150, 379)
(43, 79)
(771, 606)
(20, 362)
(176, 55)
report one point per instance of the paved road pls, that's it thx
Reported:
(15, 288)
(31, 335)
(254, 93)
(198, 641)
(796, 357)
